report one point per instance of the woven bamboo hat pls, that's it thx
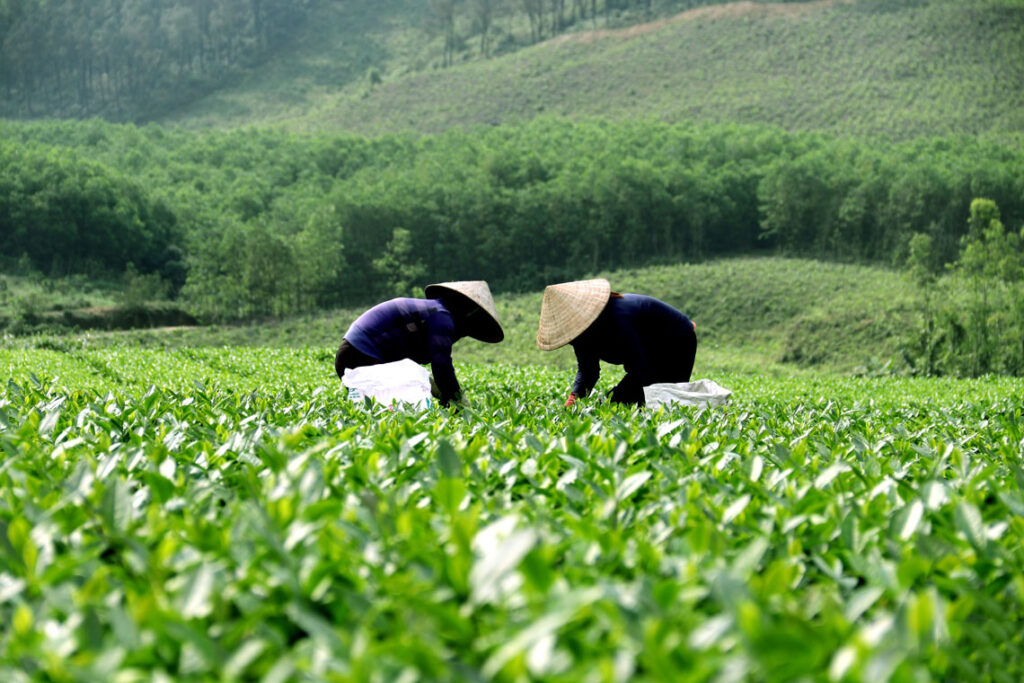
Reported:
(568, 309)
(486, 327)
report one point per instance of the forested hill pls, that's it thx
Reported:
(902, 68)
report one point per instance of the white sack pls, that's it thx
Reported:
(700, 392)
(404, 380)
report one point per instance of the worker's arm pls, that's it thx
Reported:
(440, 337)
(588, 370)
(444, 378)
(638, 370)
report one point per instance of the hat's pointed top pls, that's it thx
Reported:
(568, 309)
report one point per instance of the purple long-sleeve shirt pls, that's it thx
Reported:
(652, 340)
(421, 329)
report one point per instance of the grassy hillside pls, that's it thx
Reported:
(751, 313)
(928, 68)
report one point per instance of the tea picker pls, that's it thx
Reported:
(652, 340)
(423, 330)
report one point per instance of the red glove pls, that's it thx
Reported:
(570, 401)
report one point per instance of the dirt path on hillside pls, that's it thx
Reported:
(169, 328)
(729, 10)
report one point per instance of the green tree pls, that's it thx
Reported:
(972, 321)
(138, 289)
(924, 341)
(798, 204)
(988, 249)
(319, 257)
(398, 268)
(990, 260)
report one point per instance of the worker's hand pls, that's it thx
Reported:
(457, 401)
(569, 402)
(456, 407)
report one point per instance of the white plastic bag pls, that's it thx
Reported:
(405, 381)
(700, 392)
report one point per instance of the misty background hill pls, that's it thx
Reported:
(900, 68)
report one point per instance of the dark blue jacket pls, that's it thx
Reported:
(652, 340)
(421, 329)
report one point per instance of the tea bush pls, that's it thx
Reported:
(227, 513)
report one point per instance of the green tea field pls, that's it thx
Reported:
(227, 514)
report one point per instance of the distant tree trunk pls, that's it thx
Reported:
(555, 7)
(203, 9)
(27, 86)
(484, 17)
(449, 39)
(257, 23)
(445, 11)
(84, 85)
(579, 9)
(535, 13)
(56, 95)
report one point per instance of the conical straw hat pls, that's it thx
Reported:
(568, 309)
(486, 328)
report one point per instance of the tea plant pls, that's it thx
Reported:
(224, 514)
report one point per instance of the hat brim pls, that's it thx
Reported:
(480, 326)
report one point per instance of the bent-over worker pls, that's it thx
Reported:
(652, 340)
(423, 330)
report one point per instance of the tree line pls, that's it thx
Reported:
(464, 20)
(515, 22)
(267, 222)
(129, 59)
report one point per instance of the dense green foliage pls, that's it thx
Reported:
(63, 212)
(222, 514)
(273, 222)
